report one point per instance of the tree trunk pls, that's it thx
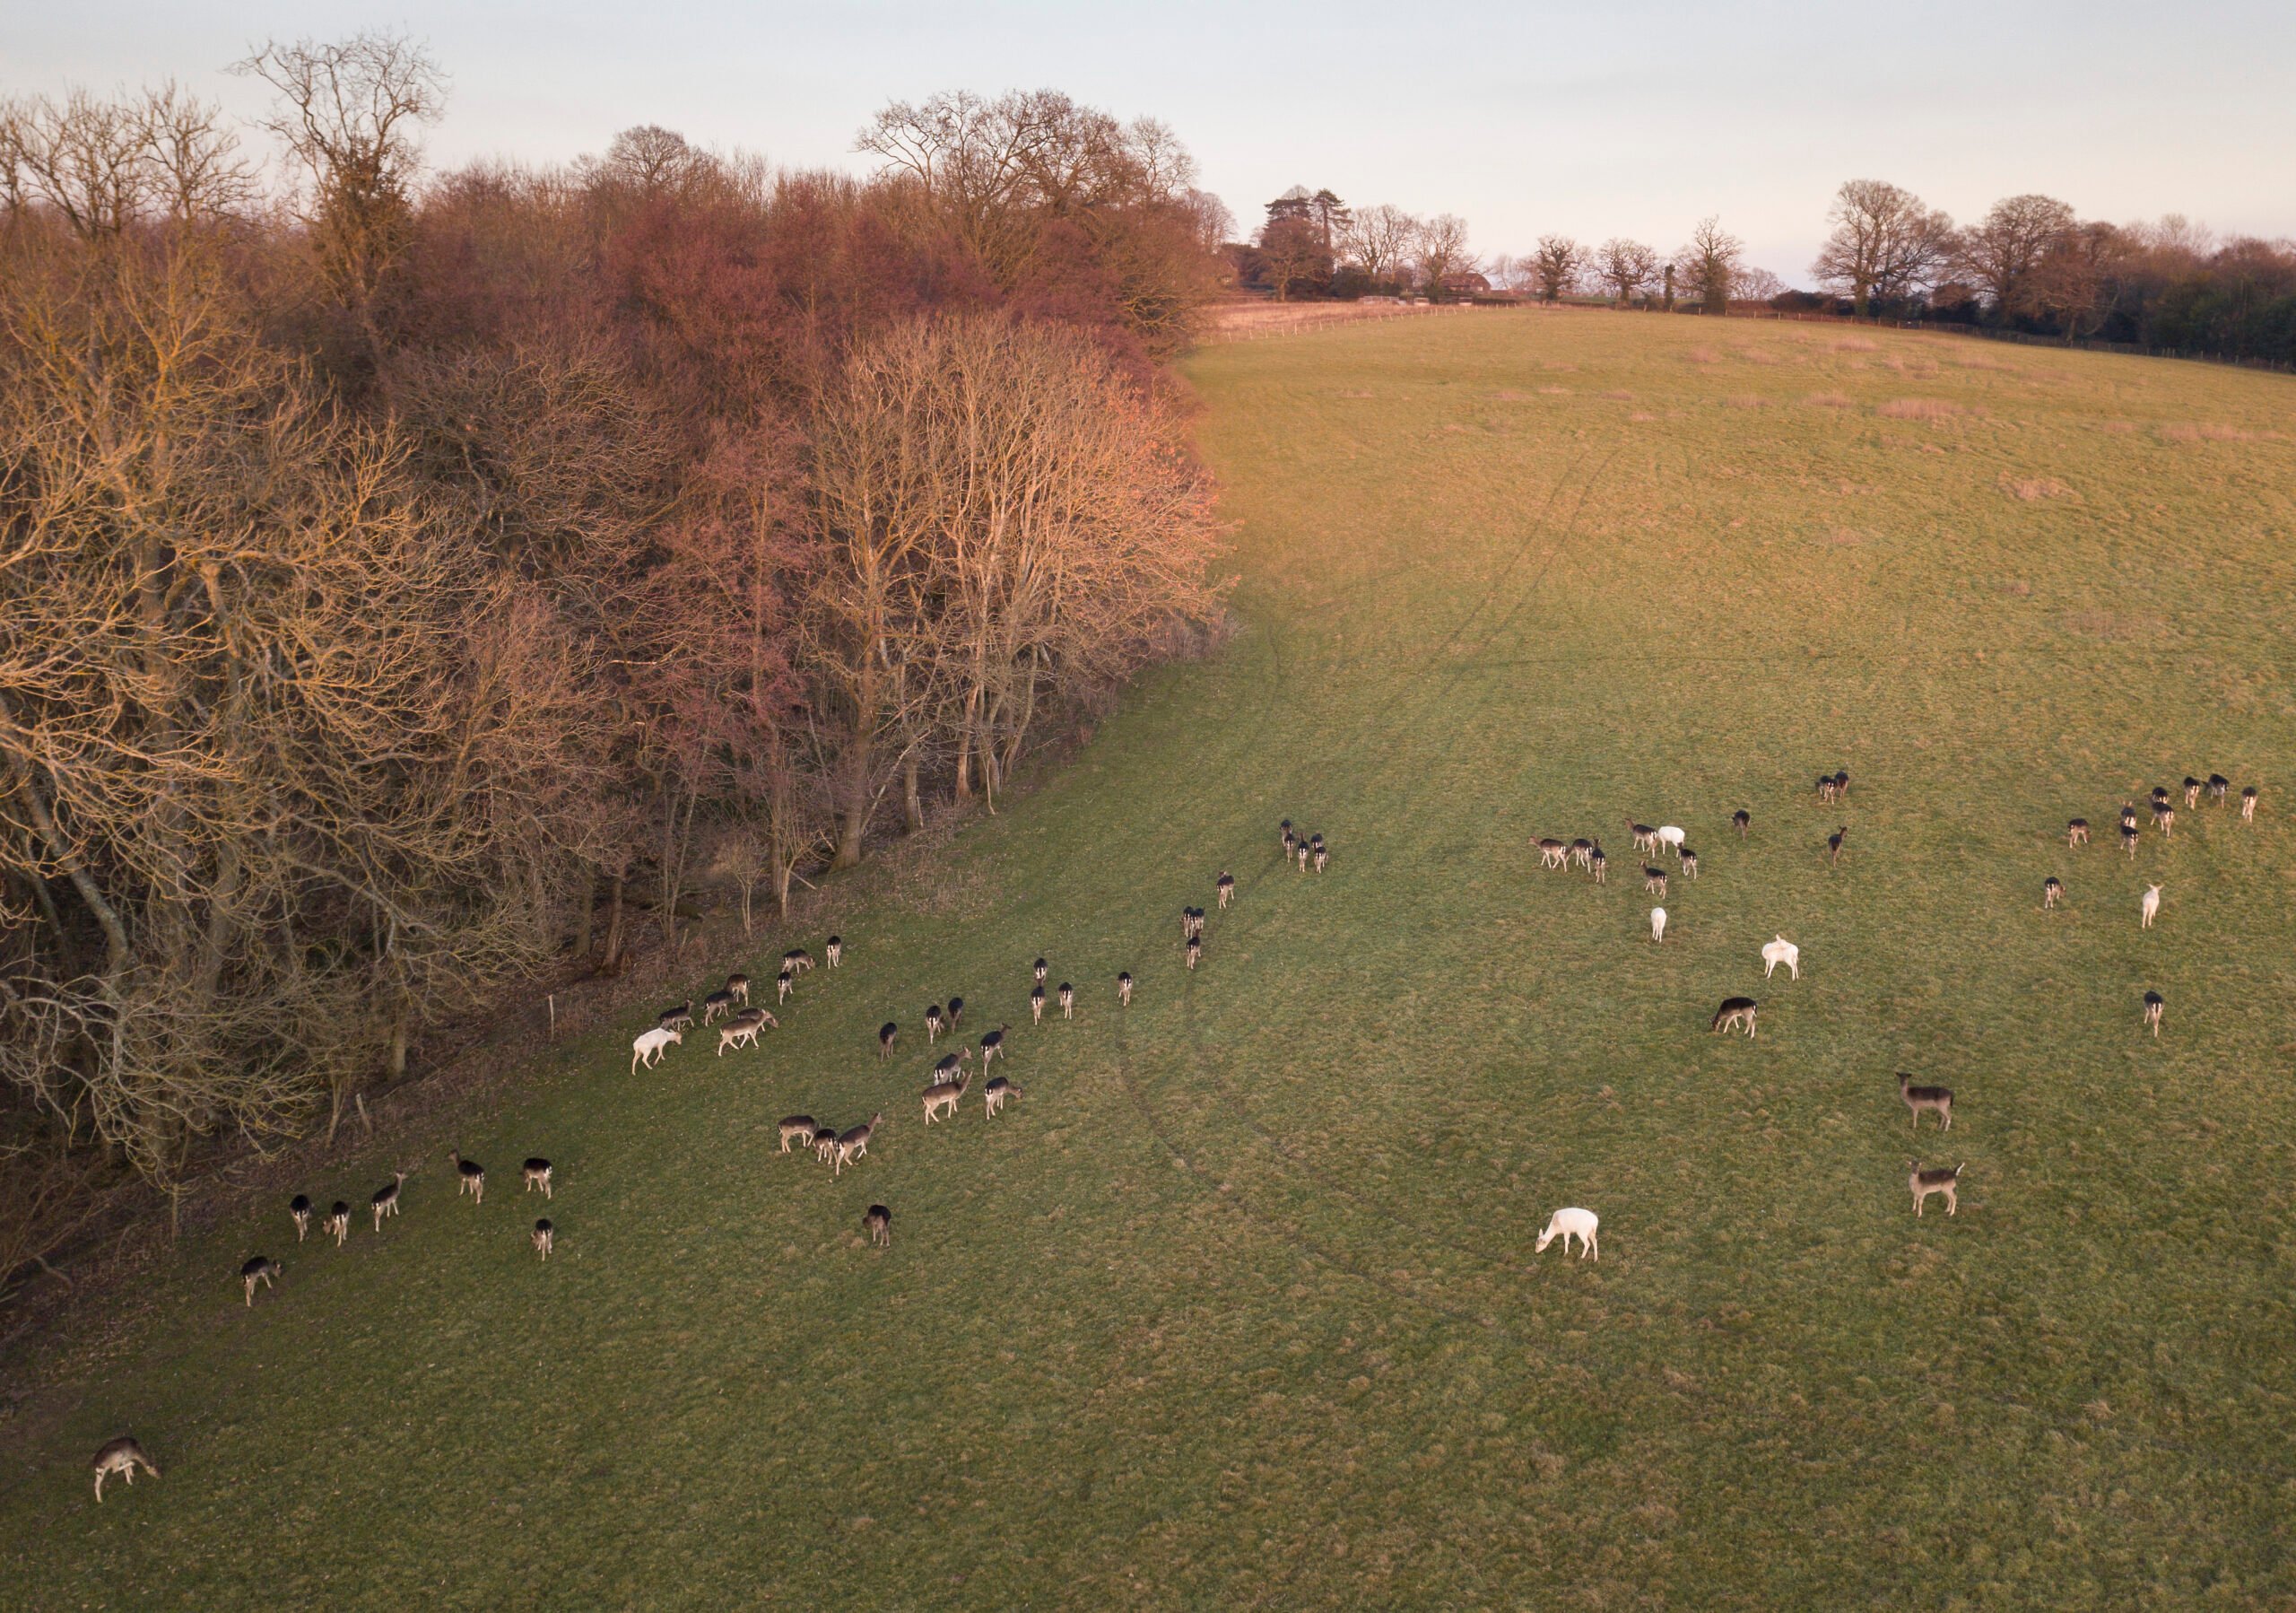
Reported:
(613, 964)
(912, 804)
(585, 917)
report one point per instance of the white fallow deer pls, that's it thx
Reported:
(1567, 1225)
(1781, 951)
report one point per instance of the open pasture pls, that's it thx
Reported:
(1238, 1304)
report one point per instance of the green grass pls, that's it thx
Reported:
(1237, 1306)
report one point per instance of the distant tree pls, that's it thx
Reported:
(649, 157)
(2073, 283)
(1332, 214)
(1710, 262)
(1625, 266)
(347, 113)
(1442, 251)
(1885, 243)
(2000, 251)
(1295, 205)
(1558, 265)
(1755, 285)
(1379, 240)
(1291, 249)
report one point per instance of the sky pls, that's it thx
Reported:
(1522, 119)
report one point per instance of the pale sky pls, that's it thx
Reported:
(1594, 120)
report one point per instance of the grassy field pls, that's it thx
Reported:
(1237, 1306)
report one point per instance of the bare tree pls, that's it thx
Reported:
(347, 113)
(193, 156)
(648, 157)
(81, 158)
(1379, 240)
(1625, 266)
(1441, 251)
(1291, 245)
(1752, 284)
(1885, 243)
(2001, 250)
(1558, 265)
(1710, 262)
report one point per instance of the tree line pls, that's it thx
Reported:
(415, 580)
(2032, 262)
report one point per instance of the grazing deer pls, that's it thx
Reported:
(1306, 851)
(1841, 785)
(1646, 838)
(2153, 1003)
(833, 950)
(1742, 820)
(338, 1222)
(1825, 786)
(1937, 1100)
(797, 1129)
(1554, 854)
(649, 1048)
(262, 1269)
(1036, 1006)
(2164, 819)
(680, 1019)
(472, 1174)
(1670, 838)
(996, 1091)
(825, 1144)
(544, 1237)
(2217, 785)
(1323, 854)
(716, 1007)
(1191, 923)
(1781, 951)
(2129, 838)
(299, 1207)
(2192, 792)
(1926, 1183)
(956, 1012)
(2249, 805)
(1067, 1000)
(1226, 887)
(2128, 815)
(1689, 861)
(1658, 924)
(1567, 1225)
(852, 1145)
(797, 960)
(991, 1046)
(1833, 843)
(879, 1224)
(1290, 838)
(784, 984)
(1043, 969)
(535, 1173)
(1124, 989)
(385, 1201)
(1599, 863)
(2076, 832)
(934, 1025)
(741, 1031)
(1734, 1011)
(887, 1034)
(120, 1456)
(952, 1067)
(738, 987)
(1654, 880)
(941, 1100)
(2160, 795)
(1195, 950)
(2149, 907)
(1581, 853)
(2052, 892)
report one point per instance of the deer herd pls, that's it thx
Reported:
(951, 1079)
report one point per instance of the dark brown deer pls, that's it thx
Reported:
(854, 1144)
(535, 1173)
(544, 1237)
(120, 1456)
(299, 1207)
(385, 1201)
(878, 1223)
(262, 1269)
(471, 1175)
(1937, 1100)
(1735, 1012)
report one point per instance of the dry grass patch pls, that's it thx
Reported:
(1924, 408)
(1702, 355)
(1855, 344)
(2183, 431)
(2116, 428)
(2031, 489)
(1744, 400)
(2116, 627)
(1555, 392)
(1829, 400)
(1619, 392)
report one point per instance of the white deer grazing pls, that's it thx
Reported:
(1567, 1225)
(1781, 951)
(2152, 906)
(1670, 838)
(1657, 923)
(648, 1049)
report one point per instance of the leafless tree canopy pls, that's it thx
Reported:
(1885, 244)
